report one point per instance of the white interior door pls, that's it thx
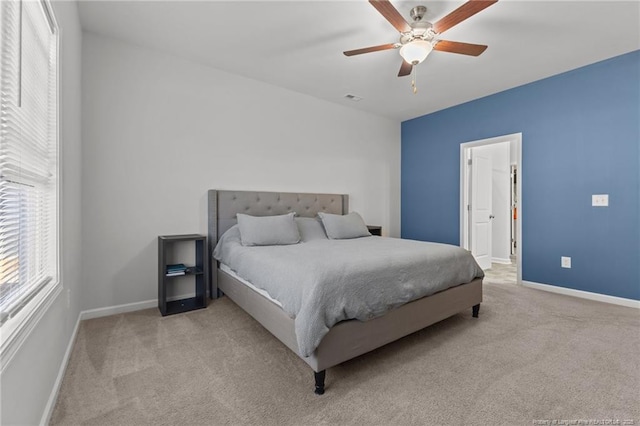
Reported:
(481, 205)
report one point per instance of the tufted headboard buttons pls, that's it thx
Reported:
(229, 203)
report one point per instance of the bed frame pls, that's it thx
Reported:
(347, 339)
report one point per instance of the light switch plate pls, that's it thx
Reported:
(600, 200)
(565, 262)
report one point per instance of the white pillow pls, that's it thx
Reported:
(268, 230)
(310, 229)
(339, 227)
(229, 239)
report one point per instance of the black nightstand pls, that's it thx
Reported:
(169, 270)
(375, 230)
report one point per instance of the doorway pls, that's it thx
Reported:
(490, 204)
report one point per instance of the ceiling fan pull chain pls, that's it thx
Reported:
(413, 81)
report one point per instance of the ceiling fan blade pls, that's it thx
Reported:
(461, 48)
(391, 14)
(405, 69)
(465, 11)
(370, 49)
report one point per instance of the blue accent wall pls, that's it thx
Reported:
(580, 136)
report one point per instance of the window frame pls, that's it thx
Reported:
(16, 329)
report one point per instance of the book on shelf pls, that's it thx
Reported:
(176, 267)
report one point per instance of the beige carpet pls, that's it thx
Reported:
(531, 356)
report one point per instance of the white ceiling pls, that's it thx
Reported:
(298, 45)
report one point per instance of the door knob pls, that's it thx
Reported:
(491, 216)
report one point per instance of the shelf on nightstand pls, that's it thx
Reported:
(184, 305)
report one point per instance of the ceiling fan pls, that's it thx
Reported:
(420, 37)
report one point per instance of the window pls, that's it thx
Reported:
(28, 156)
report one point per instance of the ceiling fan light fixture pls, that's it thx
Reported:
(416, 51)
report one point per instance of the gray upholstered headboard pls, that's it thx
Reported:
(224, 205)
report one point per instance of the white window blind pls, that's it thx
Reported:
(28, 153)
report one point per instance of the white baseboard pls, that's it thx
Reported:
(127, 307)
(501, 260)
(51, 403)
(118, 309)
(630, 303)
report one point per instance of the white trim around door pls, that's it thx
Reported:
(465, 150)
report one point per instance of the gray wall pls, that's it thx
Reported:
(158, 131)
(28, 379)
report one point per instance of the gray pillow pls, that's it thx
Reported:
(310, 229)
(224, 248)
(340, 227)
(268, 230)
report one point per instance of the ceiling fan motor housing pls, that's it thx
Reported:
(422, 30)
(417, 13)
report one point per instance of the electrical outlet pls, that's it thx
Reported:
(600, 200)
(565, 262)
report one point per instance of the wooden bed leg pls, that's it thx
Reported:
(319, 376)
(476, 309)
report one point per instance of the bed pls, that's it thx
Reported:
(347, 339)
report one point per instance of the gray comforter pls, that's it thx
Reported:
(323, 282)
